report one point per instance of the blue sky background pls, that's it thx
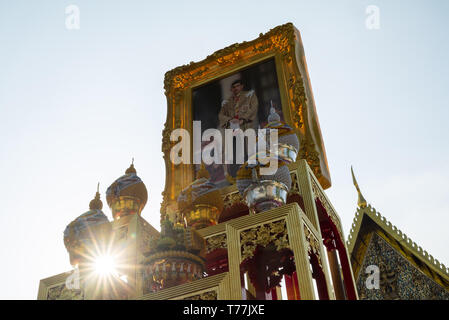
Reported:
(76, 106)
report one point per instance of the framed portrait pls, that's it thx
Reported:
(251, 77)
(253, 91)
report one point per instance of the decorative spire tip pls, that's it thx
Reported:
(361, 202)
(202, 173)
(131, 169)
(96, 202)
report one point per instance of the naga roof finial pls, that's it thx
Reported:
(361, 202)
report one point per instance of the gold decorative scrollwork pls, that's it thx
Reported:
(308, 151)
(179, 77)
(229, 59)
(280, 39)
(273, 232)
(295, 184)
(166, 143)
(61, 292)
(216, 242)
(209, 295)
(313, 245)
(232, 198)
(298, 98)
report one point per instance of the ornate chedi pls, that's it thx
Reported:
(177, 257)
(89, 239)
(87, 236)
(127, 195)
(201, 202)
(287, 146)
(261, 191)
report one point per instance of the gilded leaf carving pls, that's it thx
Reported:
(216, 242)
(61, 292)
(295, 184)
(232, 198)
(273, 232)
(209, 295)
(280, 39)
(313, 245)
(298, 97)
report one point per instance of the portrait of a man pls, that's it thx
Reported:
(241, 100)
(240, 110)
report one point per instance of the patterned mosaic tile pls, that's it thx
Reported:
(399, 279)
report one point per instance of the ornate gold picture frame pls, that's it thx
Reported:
(284, 45)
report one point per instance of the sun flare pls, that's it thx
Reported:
(105, 265)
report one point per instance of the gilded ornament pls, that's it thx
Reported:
(313, 245)
(61, 292)
(216, 242)
(298, 97)
(295, 184)
(281, 243)
(308, 151)
(273, 232)
(209, 295)
(232, 198)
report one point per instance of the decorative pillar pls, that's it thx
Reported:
(233, 240)
(298, 241)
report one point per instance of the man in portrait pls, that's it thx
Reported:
(238, 112)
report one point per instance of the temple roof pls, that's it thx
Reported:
(367, 220)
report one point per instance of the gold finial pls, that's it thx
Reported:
(361, 202)
(96, 202)
(202, 173)
(131, 168)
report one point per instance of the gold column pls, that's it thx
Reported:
(233, 242)
(305, 185)
(297, 240)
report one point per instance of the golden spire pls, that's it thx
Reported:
(202, 173)
(131, 168)
(361, 202)
(96, 202)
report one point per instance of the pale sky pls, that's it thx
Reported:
(77, 105)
